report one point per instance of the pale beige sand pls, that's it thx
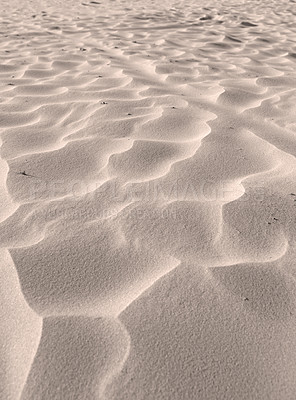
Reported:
(148, 200)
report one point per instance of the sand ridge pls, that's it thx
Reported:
(148, 199)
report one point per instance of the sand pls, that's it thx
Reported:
(148, 200)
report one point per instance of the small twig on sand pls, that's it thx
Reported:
(25, 174)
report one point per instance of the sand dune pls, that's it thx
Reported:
(148, 200)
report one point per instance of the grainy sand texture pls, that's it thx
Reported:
(148, 200)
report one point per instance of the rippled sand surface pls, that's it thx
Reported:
(148, 200)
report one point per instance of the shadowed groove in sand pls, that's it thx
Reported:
(86, 354)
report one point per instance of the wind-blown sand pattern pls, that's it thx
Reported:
(148, 200)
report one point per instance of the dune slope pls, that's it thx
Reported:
(148, 200)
